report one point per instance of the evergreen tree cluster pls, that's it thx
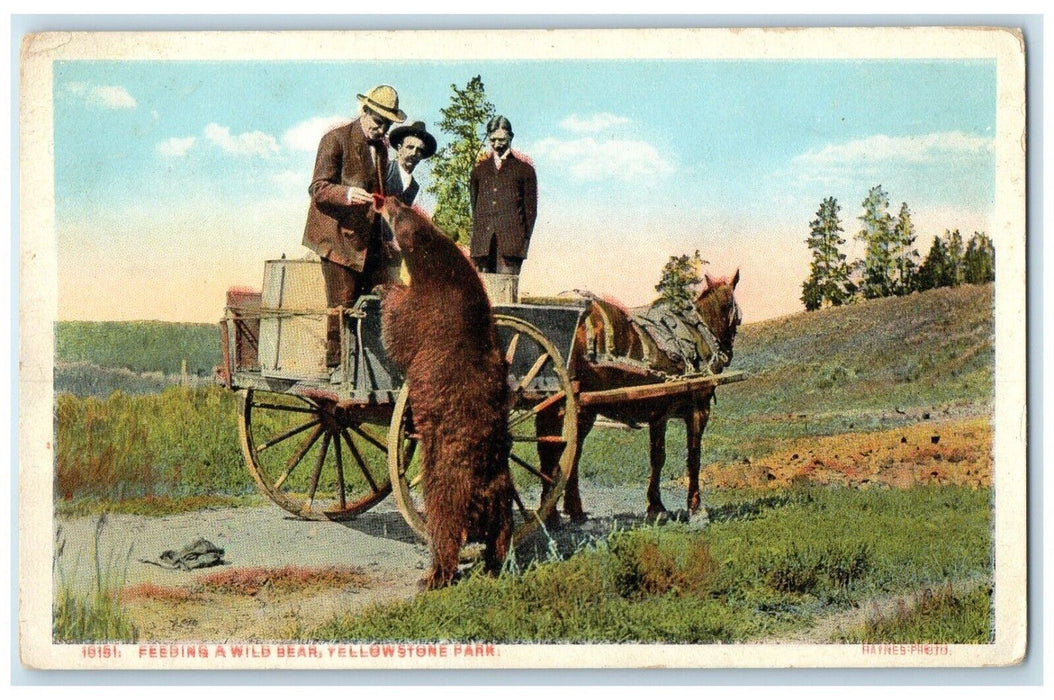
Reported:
(890, 266)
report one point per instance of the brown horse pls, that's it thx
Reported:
(611, 352)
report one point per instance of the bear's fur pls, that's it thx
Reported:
(440, 331)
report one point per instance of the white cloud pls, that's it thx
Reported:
(306, 135)
(925, 148)
(590, 159)
(291, 179)
(593, 123)
(104, 96)
(176, 147)
(112, 97)
(249, 143)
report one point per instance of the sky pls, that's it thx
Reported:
(175, 180)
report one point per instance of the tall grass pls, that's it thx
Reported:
(182, 442)
(95, 615)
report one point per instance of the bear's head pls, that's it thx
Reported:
(425, 248)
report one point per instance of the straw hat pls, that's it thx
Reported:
(384, 100)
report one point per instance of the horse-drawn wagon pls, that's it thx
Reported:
(329, 445)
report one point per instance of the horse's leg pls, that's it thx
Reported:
(548, 423)
(572, 496)
(695, 424)
(657, 437)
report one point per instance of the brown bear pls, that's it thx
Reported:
(440, 331)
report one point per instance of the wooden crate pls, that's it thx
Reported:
(293, 322)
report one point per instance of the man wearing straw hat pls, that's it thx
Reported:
(342, 227)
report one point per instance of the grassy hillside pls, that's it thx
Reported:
(139, 346)
(871, 366)
(930, 348)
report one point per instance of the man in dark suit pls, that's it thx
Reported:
(412, 144)
(503, 193)
(342, 227)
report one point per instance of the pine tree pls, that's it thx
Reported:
(828, 280)
(464, 119)
(905, 257)
(979, 260)
(680, 280)
(931, 272)
(946, 263)
(954, 271)
(879, 263)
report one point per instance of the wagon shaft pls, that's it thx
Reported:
(657, 390)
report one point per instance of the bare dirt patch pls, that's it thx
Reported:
(957, 452)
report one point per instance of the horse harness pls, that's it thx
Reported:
(680, 334)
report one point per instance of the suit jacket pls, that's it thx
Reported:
(504, 205)
(336, 230)
(393, 185)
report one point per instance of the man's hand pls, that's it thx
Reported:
(357, 195)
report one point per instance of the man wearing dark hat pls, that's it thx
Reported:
(503, 192)
(351, 166)
(412, 144)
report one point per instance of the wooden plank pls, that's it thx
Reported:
(657, 390)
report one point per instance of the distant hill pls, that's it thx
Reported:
(925, 349)
(139, 346)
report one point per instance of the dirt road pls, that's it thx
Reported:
(339, 567)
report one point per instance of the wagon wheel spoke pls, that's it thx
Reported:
(531, 469)
(310, 402)
(284, 407)
(288, 434)
(360, 461)
(524, 415)
(341, 497)
(533, 371)
(298, 456)
(510, 352)
(524, 513)
(358, 430)
(318, 471)
(517, 391)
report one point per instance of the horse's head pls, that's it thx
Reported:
(718, 309)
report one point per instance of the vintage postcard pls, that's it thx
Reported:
(687, 348)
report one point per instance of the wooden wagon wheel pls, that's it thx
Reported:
(527, 346)
(311, 456)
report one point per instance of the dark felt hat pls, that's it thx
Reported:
(416, 129)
